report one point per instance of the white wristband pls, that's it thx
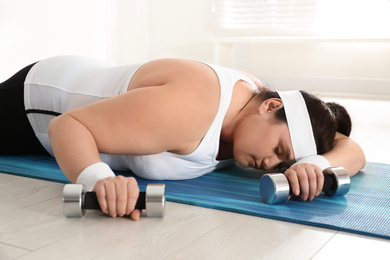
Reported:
(317, 160)
(93, 173)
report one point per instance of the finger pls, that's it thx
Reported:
(303, 184)
(320, 181)
(312, 180)
(111, 197)
(293, 180)
(101, 196)
(121, 195)
(132, 195)
(135, 214)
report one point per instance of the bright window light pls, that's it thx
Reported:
(339, 18)
(353, 18)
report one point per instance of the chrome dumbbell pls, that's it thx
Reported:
(275, 188)
(75, 200)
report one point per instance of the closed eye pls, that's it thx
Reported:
(277, 150)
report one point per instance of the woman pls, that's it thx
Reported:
(169, 119)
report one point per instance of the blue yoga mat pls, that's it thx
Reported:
(364, 210)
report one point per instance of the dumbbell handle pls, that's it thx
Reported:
(275, 188)
(91, 201)
(330, 182)
(75, 201)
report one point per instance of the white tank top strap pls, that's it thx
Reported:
(239, 75)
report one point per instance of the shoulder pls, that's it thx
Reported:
(184, 82)
(179, 71)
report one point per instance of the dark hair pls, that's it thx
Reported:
(326, 118)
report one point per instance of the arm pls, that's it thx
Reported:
(75, 148)
(73, 144)
(79, 135)
(347, 154)
(110, 126)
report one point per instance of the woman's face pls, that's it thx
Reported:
(261, 142)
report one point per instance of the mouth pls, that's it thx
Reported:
(252, 163)
(255, 164)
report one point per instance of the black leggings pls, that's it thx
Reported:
(16, 133)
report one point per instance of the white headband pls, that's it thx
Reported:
(299, 125)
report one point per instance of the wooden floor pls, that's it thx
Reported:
(33, 225)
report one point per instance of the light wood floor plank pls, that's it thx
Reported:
(122, 238)
(349, 246)
(247, 237)
(8, 252)
(21, 192)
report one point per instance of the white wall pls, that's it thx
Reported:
(122, 31)
(126, 31)
(355, 67)
(34, 30)
(151, 29)
(132, 31)
(179, 29)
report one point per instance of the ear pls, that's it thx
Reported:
(270, 105)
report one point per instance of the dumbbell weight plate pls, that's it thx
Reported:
(72, 203)
(274, 190)
(155, 200)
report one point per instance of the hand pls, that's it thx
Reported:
(306, 180)
(117, 196)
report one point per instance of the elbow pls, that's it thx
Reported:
(362, 159)
(359, 161)
(56, 126)
(359, 155)
(348, 154)
(51, 129)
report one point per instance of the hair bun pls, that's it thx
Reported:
(344, 123)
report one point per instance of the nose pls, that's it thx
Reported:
(271, 163)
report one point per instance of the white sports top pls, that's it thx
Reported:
(56, 85)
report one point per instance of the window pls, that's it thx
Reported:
(326, 18)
